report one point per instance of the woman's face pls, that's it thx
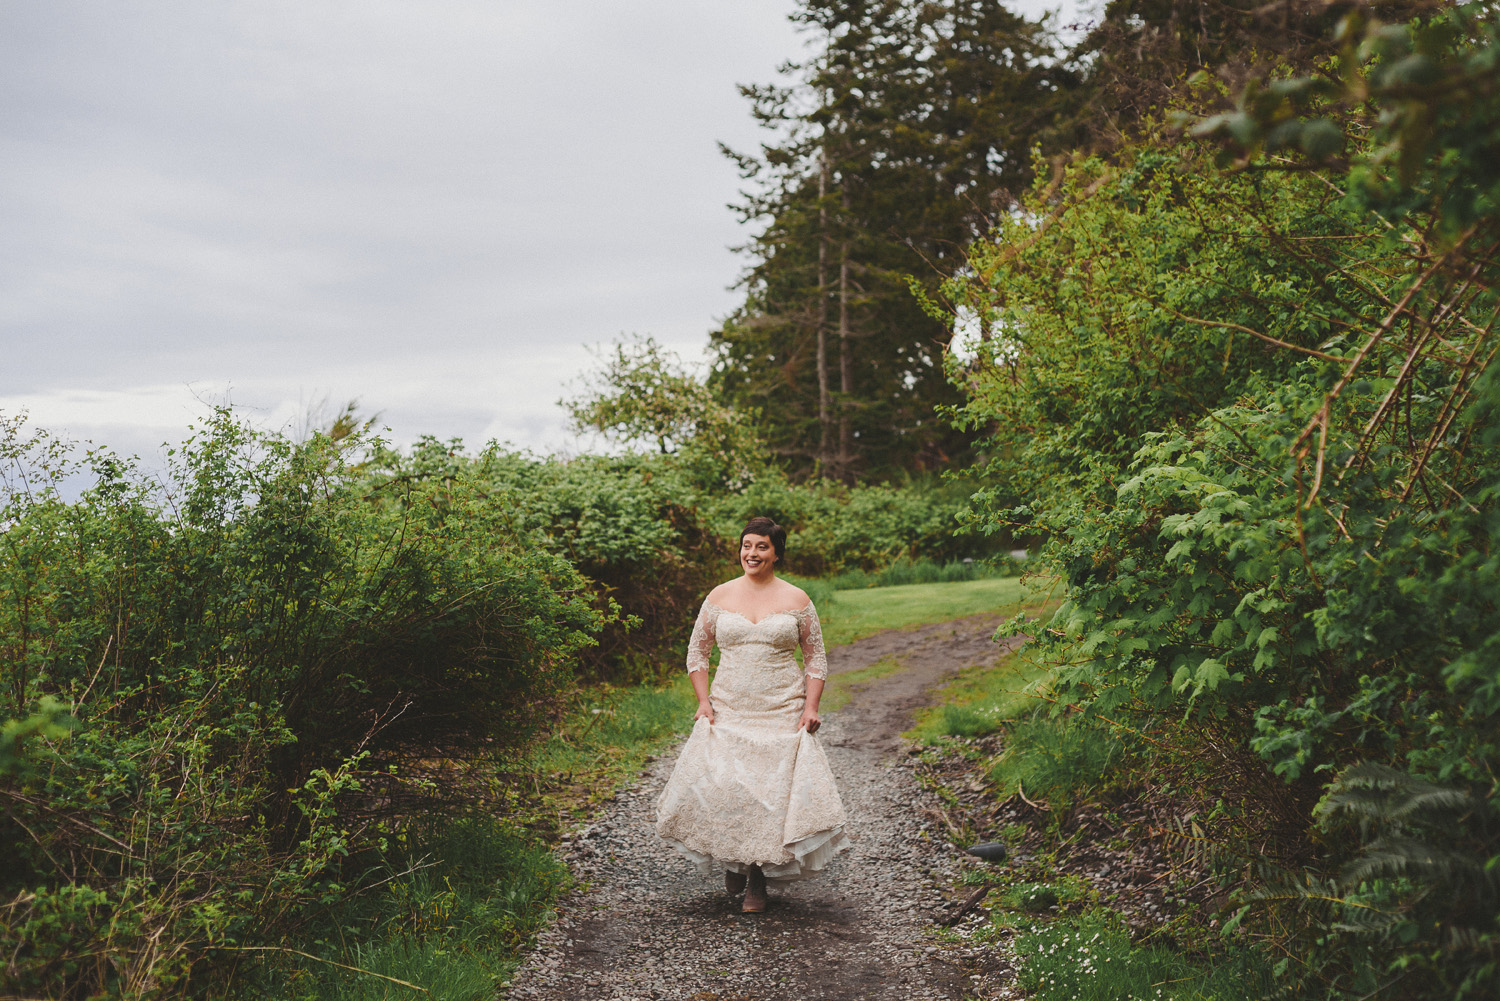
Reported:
(757, 555)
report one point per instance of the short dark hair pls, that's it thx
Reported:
(761, 525)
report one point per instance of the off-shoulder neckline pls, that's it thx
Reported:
(794, 612)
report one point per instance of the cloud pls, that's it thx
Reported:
(429, 206)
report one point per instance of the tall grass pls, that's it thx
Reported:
(609, 735)
(454, 903)
(1064, 759)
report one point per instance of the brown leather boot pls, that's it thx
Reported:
(755, 892)
(734, 882)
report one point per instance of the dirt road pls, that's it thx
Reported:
(645, 925)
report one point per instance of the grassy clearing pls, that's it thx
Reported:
(856, 614)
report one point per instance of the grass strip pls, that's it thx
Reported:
(856, 614)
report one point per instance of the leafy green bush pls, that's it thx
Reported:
(1255, 415)
(626, 523)
(906, 571)
(251, 659)
(835, 528)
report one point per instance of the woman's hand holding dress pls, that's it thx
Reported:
(815, 662)
(810, 719)
(699, 648)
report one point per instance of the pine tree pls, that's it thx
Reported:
(894, 146)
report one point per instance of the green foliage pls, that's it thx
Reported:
(644, 393)
(1143, 57)
(1064, 759)
(1254, 413)
(449, 904)
(907, 571)
(1426, 879)
(1032, 896)
(628, 524)
(219, 686)
(51, 721)
(1093, 959)
(835, 529)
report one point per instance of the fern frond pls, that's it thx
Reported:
(1421, 860)
(1379, 793)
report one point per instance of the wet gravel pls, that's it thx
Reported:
(644, 925)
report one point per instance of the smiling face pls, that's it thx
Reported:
(757, 555)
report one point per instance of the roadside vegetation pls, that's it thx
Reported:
(1241, 380)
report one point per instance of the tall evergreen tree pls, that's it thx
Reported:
(894, 145)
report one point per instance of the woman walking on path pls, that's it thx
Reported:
(751, 794)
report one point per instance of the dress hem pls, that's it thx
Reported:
(809, 856)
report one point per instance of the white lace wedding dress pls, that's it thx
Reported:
(753, 788)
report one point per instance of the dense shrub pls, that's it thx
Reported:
(906, 571)
(626, 523)
(867, 528)
(217, 689)
(1256, 415)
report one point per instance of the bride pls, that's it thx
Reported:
(752, 794)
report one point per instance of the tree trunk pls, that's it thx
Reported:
(846, 366)
(825, 417)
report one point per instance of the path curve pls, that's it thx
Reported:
(644, 925)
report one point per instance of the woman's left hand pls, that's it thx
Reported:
(810, 721)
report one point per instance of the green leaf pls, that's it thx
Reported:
(1321, 139)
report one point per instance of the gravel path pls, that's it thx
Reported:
(645, 925)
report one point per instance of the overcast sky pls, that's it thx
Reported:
(433, 207)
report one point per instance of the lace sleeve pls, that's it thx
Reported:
(702, 643)
(813, 657)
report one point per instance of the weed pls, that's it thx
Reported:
(1060, 758)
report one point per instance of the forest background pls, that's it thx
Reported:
(1201, 308)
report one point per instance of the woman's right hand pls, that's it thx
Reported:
(705, 711)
